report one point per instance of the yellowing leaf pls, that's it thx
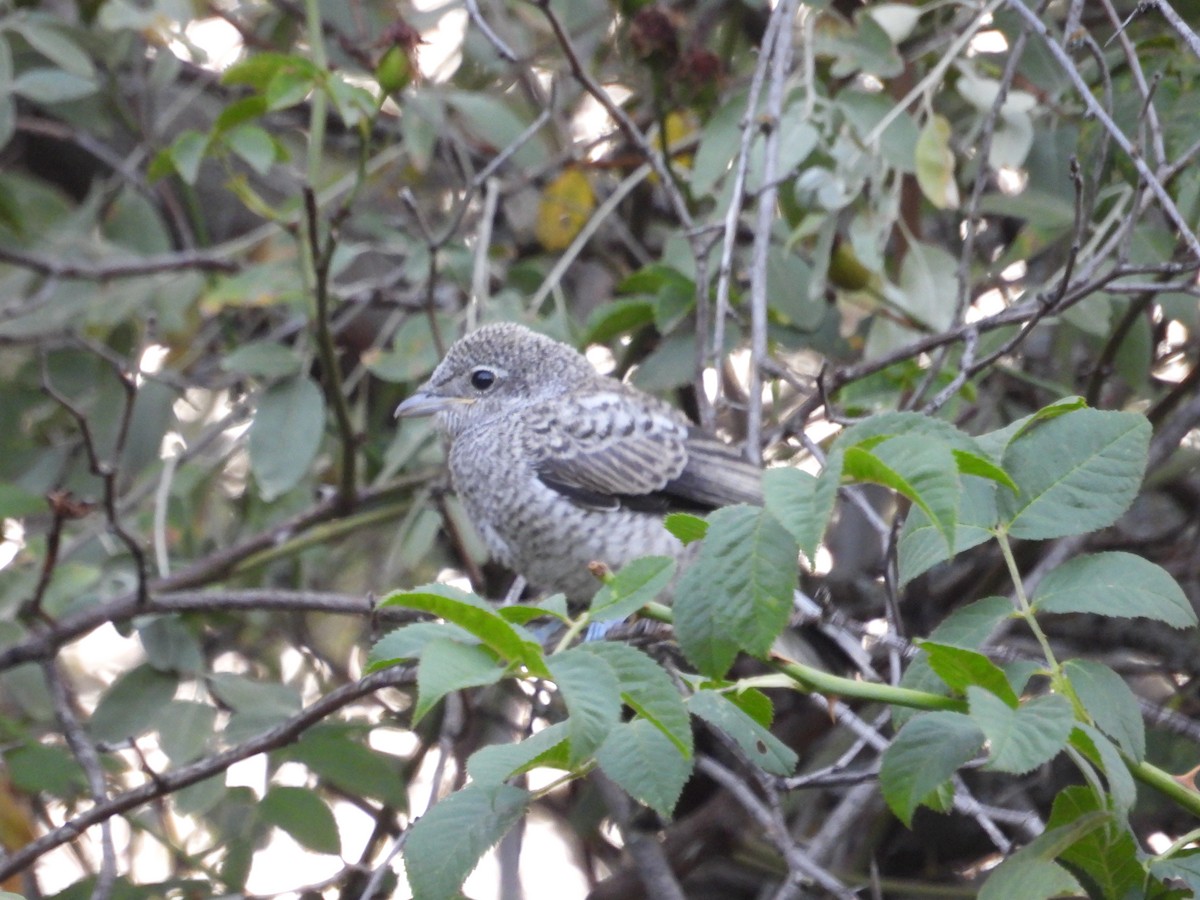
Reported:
(935, 164)
(566, 204)
(678, 127)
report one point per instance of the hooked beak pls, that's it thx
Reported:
(426, 403)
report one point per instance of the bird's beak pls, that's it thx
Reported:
(426, 403)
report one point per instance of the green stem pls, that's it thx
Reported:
(825, 683)
(1180, 843)
(1025, 611)
(317, 110)
(1165, 783)
(321, 258)
(317, 256)
(573, 632)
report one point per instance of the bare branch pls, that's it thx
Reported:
(176, 779)
(193, 260)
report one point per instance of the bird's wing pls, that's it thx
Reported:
(602, 447)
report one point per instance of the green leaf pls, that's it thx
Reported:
(617, 317)
(1029, 878)
(51, 86)
(788, 279)
(935, 164)
(287, 87)
(475, 616)
(519, 613)
(132, 704)
(170, 645)
(409, 642)
(340, 756)
(1108, 854)
(1110, 703)
(637, 584)
(413, 353)
(254, 145)
(37, 768)
(239, 112)
(592, 695)
(1024, 738)
(1076, 473)
(199, 798)
(997, 441)
(982, 467)
(304, 816)
(1030, 871)
(803, 503)
(1094, 745)
(1183, 865)
(448, 666)
(645, 764)
(686, 527)
(243, 694)
(186, 729)
(864, 111)
(737, 594)
(258, 705)
(923, 546)
(760, 746)
(719, 141)
(353, 103)
(499, 762)
(877, 428)
(648, 690)
(753, 703)
(263, 359)
(286, 434)
(447, 842)
(924, 755)
(928, 286)
(961, 668)
(1115, 584)
(55, 45)
(258, 70)
(492, 119)
(186, 153)
(16, 502)
(924, 471)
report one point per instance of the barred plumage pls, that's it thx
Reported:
(560, 466)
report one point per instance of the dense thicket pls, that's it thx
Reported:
(234, 235)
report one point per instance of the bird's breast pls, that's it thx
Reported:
(537, 531)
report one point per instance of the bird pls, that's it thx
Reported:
(561, 467)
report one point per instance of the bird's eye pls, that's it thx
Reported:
(482, 379)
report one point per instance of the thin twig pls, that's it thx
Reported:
(1170, 210)
(618, 115)
(217, 260)
(1181, 27)
(89, 761)
(781, 61)
(176, 779)
(106, 470)
(647, 853)
(800, 866)
(502, 49)
(741, 167)
(321, 255)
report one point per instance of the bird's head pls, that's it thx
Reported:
(496, 371)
